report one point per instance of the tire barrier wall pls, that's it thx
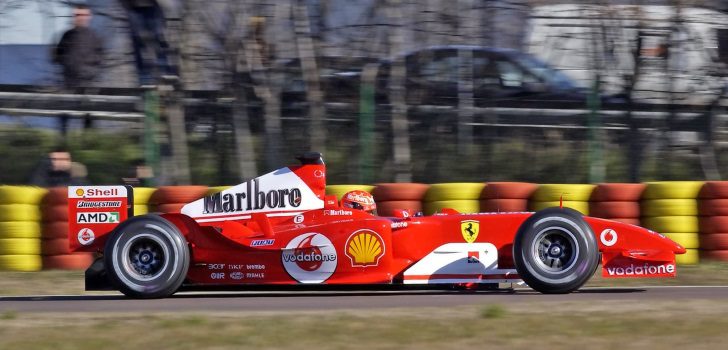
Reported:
(34, 221)
(671, 208)
(506, 196)
(713, 220)
(171, 199)
(340, 190)
(575, 196)
(20, 229)
(399, 196)
(463, 197)
(142, 195)
(617, 201)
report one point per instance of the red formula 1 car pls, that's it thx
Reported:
(281, 229)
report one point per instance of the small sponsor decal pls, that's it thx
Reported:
(98, 204)
(96, 191)
(608, 237)
(470, 230)
(86, 236)
(215, 266)
(298, 219)
(318, 173)
(217, 275)
(338, 212)
(236, 275)
(262, 242)
(97, 218)
(310, 258)
(474, 257)
(399, 224)
(364, 248)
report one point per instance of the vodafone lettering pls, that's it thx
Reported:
(310, 258)
(641, 270)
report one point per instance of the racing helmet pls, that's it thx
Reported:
(361, 200)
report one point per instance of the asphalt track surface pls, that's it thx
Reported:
(340, 300)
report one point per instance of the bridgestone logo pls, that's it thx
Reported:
(311, 257)
(98, 204)
(639, 270)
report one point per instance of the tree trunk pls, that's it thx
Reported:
(307, 56)
(400, 128)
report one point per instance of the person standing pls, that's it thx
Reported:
(79, 52)
(151, 49)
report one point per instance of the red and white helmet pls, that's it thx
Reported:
(359, 199)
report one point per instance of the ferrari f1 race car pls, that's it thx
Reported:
(281, 229)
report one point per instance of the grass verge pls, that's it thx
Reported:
(560, 325)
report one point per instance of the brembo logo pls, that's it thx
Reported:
(252, 199)
(310, 258)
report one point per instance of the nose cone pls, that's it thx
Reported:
(617, 235)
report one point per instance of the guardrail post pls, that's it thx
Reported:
(151, 121)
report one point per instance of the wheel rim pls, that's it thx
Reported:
(555, 249)
(145, 257)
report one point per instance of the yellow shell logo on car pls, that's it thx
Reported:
(79, 192)
(364, 248)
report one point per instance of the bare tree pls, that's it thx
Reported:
(307, 56)
(400, 129)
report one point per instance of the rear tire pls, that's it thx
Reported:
(147, 257)
(555, 251)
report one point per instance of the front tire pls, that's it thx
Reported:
(555, 251)
(147, 257)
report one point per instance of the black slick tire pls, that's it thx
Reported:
(147, 257)
(555, 251)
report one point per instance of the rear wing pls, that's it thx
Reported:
(93, 212)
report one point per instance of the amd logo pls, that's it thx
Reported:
(97, 218)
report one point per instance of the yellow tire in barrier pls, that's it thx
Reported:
(672, 190)
(461, 205)
(688, 240)
(142, 195)
(19, 212)
(689, 258)
(20, 246)
(141, 209)
(216, 189)
(669, 207)
(22, 263)
(662, 224)
(340, 190)
(582, 207)
(21, 194)
(454, 191)
(570, 192)
(20, 229)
